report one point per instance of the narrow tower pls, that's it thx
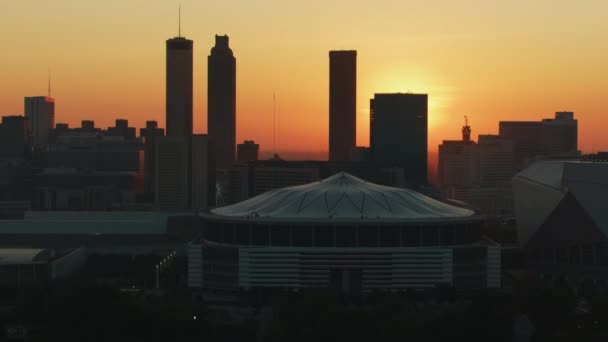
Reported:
(342, 104)
(221, 101)
(179, 86)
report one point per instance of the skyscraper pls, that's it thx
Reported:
(40, 112)
(398, 134)
(221, 101)
(559, 136)
(342, 104)
(179, 87)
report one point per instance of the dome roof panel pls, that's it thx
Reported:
(343, 196)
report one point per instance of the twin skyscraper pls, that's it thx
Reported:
(185, 164)
(221, 95)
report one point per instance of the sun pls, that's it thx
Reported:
(395, 79)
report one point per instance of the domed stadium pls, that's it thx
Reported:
(342, 232)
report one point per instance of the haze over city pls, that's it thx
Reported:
(490, 61)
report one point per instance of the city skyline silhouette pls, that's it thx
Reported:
(468, 69)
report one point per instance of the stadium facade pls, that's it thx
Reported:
(562, 220)
(342, 233)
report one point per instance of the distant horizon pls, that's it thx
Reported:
(491, 62)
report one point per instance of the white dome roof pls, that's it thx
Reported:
(343, 196)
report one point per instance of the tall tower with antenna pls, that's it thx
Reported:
(179, 84)
(40, 113)
(49, 85)
(274, 123)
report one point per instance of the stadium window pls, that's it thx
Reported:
(243, 234)
(279, 235)
(302, 236)
(346, 236)
(410, 236)
(390, 236)
(324, 236)
(430, 236)
(368, 236)
(446, 234)
(260, 235)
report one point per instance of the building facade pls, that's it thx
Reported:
(248, 151)
(179, 87)
(40, 112)
(14, 137)
(562, 219)
(150, 135)
(557, 137)
(342, 104)
(203, 173)
(342, 233)
(221, 101)
(478, 173)
(184, 173)
(399, 134)
(172, 173)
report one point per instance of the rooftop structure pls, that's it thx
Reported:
(540, 188)
(343, 196)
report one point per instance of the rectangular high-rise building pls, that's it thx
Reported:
(184, 173)
(221, 102)
(342, 104)
(14, 137)
(559, 136)
(398, 134)
(247, 151)
(150, 135)
(478, 173)
(556, 137)
(457, 163)
(179, 87)
(40, 112)
(525, 136)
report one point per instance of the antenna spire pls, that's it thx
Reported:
(49, 85)
(179, 21)
(274, 122)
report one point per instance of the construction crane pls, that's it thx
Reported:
(466, 130)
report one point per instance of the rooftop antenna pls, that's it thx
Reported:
(49, 85)
(179, 20)
(274, 122)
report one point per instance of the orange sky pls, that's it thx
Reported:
(518, 60)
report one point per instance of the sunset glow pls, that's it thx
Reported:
(491, 61)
